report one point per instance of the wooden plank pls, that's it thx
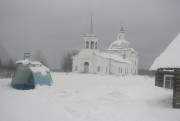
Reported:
(177, 84)
(176, 100)
(176, 96)
(176, 90)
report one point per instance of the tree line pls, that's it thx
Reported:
(7, 68)
(66, 61)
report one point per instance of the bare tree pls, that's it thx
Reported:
(11, 65)
(39, 56)
(7, 68)
(66, 62)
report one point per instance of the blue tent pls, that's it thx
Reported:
(26, 77)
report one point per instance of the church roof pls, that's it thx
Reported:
(113, 57)
(105, 55)
(90, 35)
(121, 42)
(118, 44)
(27, 62)
(169, 58)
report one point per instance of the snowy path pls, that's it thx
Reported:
(76, 97)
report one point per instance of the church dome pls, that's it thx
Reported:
(119, 44)
(121, 41)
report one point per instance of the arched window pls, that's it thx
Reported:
(87, 45)
(119, 70)
(92, 45)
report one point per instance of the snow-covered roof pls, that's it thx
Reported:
(118, 44)
(35, 66)
(35, 63)
(122, 49)
(105, 55)
(27, 62)
(90, 35)
(170, 57)
(41, 69)
(113, 57)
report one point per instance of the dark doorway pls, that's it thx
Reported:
(86, 67)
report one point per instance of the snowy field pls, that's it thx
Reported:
(88, 97)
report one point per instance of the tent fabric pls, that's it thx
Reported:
(25, 78)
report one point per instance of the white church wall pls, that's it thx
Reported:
(102, 63)
(83, 59)
(76, 64)
(95, 63)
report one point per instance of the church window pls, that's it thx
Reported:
(96, 45)
(119, 70)
(87, 45)
(92, 45)
(76, 68)
(98, 69)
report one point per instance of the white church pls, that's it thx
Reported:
(119, 59)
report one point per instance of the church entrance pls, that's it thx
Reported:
(86, 67)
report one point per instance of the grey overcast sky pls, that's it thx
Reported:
(57, 26)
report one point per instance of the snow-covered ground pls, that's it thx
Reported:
(88, 97)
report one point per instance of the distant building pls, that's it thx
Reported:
(119, 59)
(167, 67)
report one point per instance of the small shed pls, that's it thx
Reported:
(167, 68)
(29, 74)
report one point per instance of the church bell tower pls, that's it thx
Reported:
(90, 39)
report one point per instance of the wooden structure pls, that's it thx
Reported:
(176, 89)
(167, 67)
(164, 78)
(169, 78)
